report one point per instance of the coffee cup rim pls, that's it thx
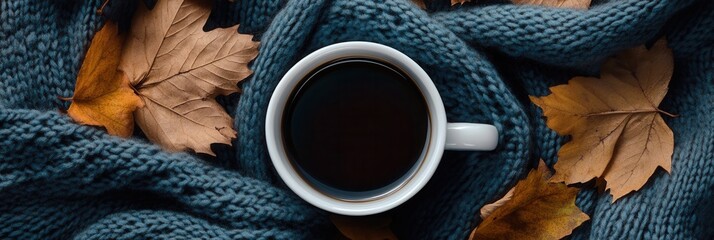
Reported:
(355, 49)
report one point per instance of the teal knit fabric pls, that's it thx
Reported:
(60, 180)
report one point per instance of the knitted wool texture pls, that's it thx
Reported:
(59, 180)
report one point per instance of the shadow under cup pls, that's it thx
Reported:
(356, 129)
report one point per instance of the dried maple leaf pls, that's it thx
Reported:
(537, 209)
(102, 95)
(617, 132)
(576, 4)
(364, 228)
(178, 69)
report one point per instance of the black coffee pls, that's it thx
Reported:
(355, 125)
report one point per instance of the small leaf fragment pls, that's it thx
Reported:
(575, 4)
(375, 227)
(459, 2)
(537, 209)
(102, 95)
(487, 209)
(422, 3)
(617, 132)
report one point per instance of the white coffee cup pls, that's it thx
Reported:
(441, 135)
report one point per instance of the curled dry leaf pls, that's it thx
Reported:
(178, 69)
(575, 4)
(375, 227)
(487, 209)
(102, 95)
(617, 132)
(534, 209)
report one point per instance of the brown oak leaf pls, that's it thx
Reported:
(102, 95)
(533, 209)
(614, 121)
(575, 4)
(177, 69)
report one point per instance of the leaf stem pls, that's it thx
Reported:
(668, 114)
(101, 8)
(633, 111)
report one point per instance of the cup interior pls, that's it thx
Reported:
(348, 202)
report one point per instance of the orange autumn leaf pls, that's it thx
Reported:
(576, 4)
(534, 209)
(618, 134)
(375, 227)
(102, 95)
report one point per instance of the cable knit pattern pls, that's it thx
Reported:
(562, 36)
(59, 180)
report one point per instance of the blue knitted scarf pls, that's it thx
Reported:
(60, 180)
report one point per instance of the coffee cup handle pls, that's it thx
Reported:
(471, 137)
